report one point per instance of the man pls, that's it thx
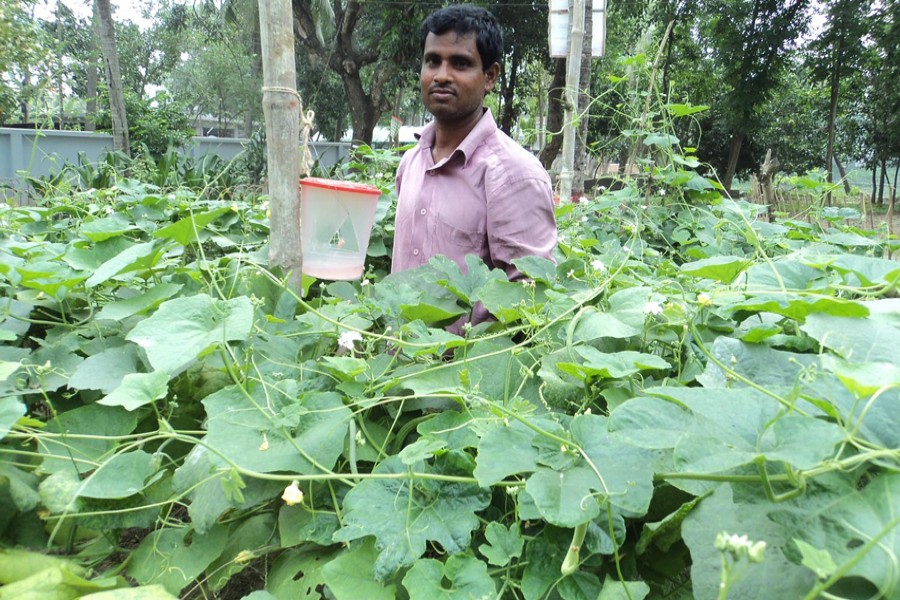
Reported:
(466, 187)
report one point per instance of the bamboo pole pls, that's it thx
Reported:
(573, 76)
(281, 106)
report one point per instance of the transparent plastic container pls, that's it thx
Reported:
(335, 224)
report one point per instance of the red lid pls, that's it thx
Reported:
(341, 186)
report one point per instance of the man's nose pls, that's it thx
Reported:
(442, 73)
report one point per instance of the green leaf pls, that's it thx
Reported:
(16, 565)
(420, 450)
(11, 409)
(137, 390)
(537, 268)
(143, 300)
(719, 268)
(651, 423)
(595, 324)
(121, 476)
(298, 574)
(467, 578)
(166, 557)
(249, 538)
(351, 575)
(105, 370)
(611, 366)
(819, 561)
(464, 286)
(871, 339)
(186, 230)
(83, 454)
(799, 307)
(144, 592)
(305, 431)
(503, 544)
(663, 140)
(505, 450)
(623, 590)
(411, 512)
(181, 329)
(612, 472)
(683, 110)
(127, 260)
(105, 228)
(21, 487)
(298, 524)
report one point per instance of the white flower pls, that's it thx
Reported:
(598, 265)
(626, 250)
(653, 308)
(584, 219)
(346, 339)
(292, 494)
(704, 299)
(571, 274)
(757, 552)
(265, 444)
(364, 282)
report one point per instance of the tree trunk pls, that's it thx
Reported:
(884, 177)
(281, 106)
(59, 66)
(509, 113)
(581, 154)
(554, 115)
(843, 173)
(106, 31)
(737, 140)
(573, 74)
(832, 117)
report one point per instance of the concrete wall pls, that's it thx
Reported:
(38, 153)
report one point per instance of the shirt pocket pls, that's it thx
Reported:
(460, 229)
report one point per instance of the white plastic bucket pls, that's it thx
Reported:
(335, 224)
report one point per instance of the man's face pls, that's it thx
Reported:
(453, 80)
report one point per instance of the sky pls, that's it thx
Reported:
(123, 10)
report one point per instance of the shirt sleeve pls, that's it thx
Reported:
(520, 222)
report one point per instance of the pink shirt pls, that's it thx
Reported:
(491, 198)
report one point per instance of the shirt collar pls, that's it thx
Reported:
(485, 127)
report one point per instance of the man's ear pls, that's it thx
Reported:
(491, 75)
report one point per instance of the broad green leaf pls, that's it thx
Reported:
(579, 586)
(344, 367)
(425, 340)
(105, 228)
(623, 590)
(464, 286)
(11, 409)
(866, 270)
(304, 432)
(127, 260)
(142, 301)
(537, 268)
(594, 324)
(411, 512)
(21, 487)
(502, 299)
(422, 449)
(299, 523)
(16, 564)
(186, 230)
(799, 307)
(864, 379)
(182, 328)
(54, 583)
(719, 268)
(455, 429)
(137, 390)
(683, 110)
(819, 561)
(651, 423)
(104, 371)
(663, 140)
(543, 560)
(785, 274)
(144, 592)
(503, 544)
(460, 578)
(82, 455)
(612, 471)
(249, 538)
(351, 575)
(121, 476)
(166, 557)
(297, 574)
(611, 366)
(496, 461)
(667, 532)
(856, 340)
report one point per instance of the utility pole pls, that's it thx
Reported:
(573, 76)
(281, 106)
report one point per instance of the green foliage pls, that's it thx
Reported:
(682, 371)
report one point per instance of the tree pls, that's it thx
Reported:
(106, 31)
(837, 53)
(750, 40)
(22, 46)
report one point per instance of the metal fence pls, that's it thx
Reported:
(38, 153)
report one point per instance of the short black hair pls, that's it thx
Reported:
(464, 19)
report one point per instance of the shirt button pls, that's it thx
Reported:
(430, 172)
(416, 252)
(423, 211)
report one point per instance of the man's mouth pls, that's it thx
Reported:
(441, 92)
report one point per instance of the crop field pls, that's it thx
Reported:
(691, 402)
